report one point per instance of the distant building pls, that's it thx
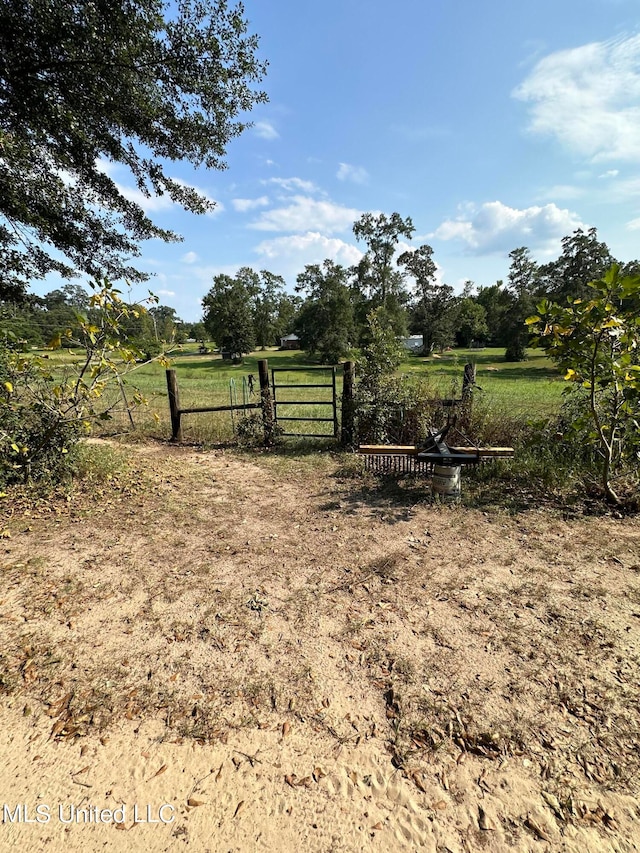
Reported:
(413, 343)
(290, 342)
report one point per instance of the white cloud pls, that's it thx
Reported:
(166, 293)
(589, 99)
(244, 204)
(289, 255)
(611, 173)
(634, 225)
(154, 203)
(561, 191)
(293, 184)
(495, 227)
(356, 174)
(190, 258)
(265, 130)
(150, 205)
(307, 214)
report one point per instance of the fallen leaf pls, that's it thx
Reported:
(417, 778)
(537, 829)
(377, 825)
(484, 821)
(194, 803)
(238, 808)
(290, 779)
(553, 801)
(158, 772)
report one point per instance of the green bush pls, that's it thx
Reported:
(36, 436)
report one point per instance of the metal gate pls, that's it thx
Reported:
(282, 408)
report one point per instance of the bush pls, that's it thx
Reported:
(36, 436)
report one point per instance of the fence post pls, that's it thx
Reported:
(174, 405)
(348, 407)
(265, 400)
(468, 384)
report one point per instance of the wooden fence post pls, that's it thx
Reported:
(468, 384)
(348, 407)
(174, 405)
(265, 400)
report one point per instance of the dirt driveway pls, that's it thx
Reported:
(223, 652)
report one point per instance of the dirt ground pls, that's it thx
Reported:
(232, 653)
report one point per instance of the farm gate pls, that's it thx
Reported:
(284, 406)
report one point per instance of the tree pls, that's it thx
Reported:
(165, 323)
(433, 313)
(325, 323)
(228, 315)
(470, 321)
(522, 283)
(376, 274)
(268, 292)
(496, 301)
(584, 259)
(84, 85)
(596, 343)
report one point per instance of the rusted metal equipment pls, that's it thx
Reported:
(409, 459)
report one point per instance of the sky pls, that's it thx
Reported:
(493, 124)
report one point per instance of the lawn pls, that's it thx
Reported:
(532, 388)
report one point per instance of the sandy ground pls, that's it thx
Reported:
(227, 653)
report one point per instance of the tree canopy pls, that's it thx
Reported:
(84, 84)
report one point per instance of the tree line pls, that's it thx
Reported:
(330, 307)
(329, 313)
(37, 321)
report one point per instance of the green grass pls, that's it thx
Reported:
(532, 388)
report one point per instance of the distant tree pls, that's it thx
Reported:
(139, 83)
(165, 323)
(583, 259)
(377, 274)
(434, 308)
(470, 321)
(325, 323)
(268, 290)
(228, 315)
(523, 280)
(199, 332)
(496, 301)
(288, 308)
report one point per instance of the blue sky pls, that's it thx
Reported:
(492, 123)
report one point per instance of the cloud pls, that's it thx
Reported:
(634, 225)
(289, 255)
(265, 130)
(293, 184)
(561, 191)
(495, 227)
(307, 214)
(244, 204)
(166, 293)
(189, 258)
(611, 173)
(355, 174)
(588, 98)
(154, 203)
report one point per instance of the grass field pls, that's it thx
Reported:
(532, 388)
